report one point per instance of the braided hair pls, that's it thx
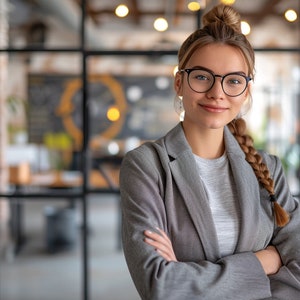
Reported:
(238, 128)
(222, 25)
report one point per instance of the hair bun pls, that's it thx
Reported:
(225, 14)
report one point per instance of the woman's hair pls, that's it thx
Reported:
(238, 129)
(222, 26)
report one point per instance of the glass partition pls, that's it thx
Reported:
(77, 105)
(130, 100)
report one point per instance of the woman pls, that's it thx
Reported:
(205, 216)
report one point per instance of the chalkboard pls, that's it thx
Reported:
(145, 104)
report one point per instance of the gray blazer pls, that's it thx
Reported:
(160, 187)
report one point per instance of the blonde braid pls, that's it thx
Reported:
(238, 129)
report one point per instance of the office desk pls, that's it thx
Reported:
(20, 177)
(72, 179)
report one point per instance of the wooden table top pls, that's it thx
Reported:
(69, 179)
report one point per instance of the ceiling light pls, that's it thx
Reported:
(245, 27)
(227, 2)
(290, 15)
(194, 6)
(161, 24)
(121, 11)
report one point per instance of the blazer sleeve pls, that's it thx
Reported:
(286, 283)
(239, 276)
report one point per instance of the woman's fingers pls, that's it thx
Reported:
(161, 242)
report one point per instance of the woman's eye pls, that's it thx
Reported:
(201, 77)
(235, 80)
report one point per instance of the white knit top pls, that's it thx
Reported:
(217, 178)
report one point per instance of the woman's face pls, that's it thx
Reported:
(212, 109)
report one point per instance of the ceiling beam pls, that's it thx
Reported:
(134, 11)
(268, 9)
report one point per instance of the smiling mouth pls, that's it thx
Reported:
(216, 109)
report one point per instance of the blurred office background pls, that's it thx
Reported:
(83, 82)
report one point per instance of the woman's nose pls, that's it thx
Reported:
(216, 91)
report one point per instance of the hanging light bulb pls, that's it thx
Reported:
(245, 27)
(290, 15)
(121, 11)
(194, 6)
(161, 24)
(228, 2)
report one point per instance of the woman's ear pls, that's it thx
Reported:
(178, 83)
(249, 89)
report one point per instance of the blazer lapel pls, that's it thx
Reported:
(195, 198)
(192, 190)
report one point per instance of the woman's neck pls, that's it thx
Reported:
(208, 143)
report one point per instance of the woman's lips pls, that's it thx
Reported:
(215, 109)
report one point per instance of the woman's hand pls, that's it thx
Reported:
(162, 244)
(269, 259)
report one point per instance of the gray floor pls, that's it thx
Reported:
(34, 274)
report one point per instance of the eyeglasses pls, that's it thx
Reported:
(201, 81)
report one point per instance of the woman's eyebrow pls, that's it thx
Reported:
(201, 67)
(209, 70)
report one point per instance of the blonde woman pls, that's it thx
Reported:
(205, 215)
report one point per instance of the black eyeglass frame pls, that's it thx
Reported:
(188, 71)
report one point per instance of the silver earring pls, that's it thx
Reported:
(178, 104)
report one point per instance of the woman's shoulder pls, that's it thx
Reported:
(146, 152)
(158, 147)
(271, 160)
(148, 158)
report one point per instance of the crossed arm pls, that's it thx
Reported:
(269, 257)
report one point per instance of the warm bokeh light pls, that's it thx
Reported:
(175, 70)
(228, 2)
(161, 24)
(113, 114)
(291, 15)
(122, 11)
(245, 27)
(194, 6)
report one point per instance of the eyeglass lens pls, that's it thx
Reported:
(201, 81)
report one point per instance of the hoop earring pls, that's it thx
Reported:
(178, 105)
